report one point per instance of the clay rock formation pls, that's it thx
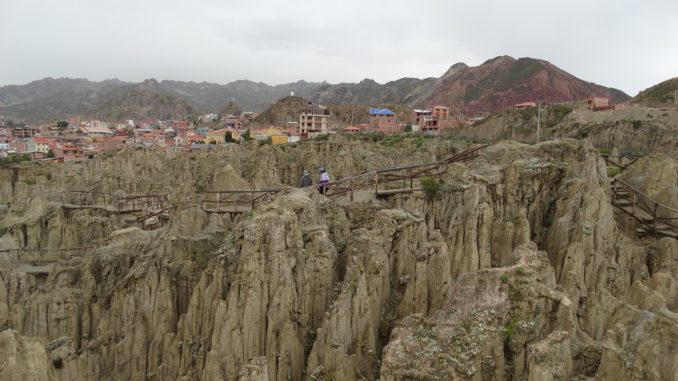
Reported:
(514, 269)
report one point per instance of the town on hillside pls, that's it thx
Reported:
(76, 139)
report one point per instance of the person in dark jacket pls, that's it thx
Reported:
(306, 180)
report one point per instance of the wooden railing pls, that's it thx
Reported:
(154, 219)
(234, 201)
(38, 260)
(660, 218)
(404, 174)
(239, 201)
(116, 204)
(614, 163)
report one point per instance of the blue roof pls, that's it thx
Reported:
(381, 111)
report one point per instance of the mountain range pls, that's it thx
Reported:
(497, 83)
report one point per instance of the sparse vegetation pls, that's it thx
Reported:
(14, 159)
(246, 135)
(431, 187)
(612, 171)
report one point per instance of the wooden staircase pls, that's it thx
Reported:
(655, 218)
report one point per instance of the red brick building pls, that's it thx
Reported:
(384, 120)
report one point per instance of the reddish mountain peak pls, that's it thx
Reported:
(504, 81)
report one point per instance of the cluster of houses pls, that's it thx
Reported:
(314, 120)
(77, 139)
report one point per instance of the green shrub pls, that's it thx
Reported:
(504, 278)
(431, 188)
(612, 171)
(246, 135)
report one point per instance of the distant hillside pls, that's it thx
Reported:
(661, 94)
(505, 81)
(370, 92)
(253, 96)
(497, 83)
(50, 99)
(142, 104)
(283, 111)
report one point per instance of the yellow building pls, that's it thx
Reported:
(279, 139)
(235, 134)
(216, 137)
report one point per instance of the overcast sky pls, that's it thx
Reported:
(626, 44)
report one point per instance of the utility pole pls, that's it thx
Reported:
(538, 119)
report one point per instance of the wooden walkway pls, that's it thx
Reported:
(656, 218)
(113, 204)
(37, 261)
(235, 201)
(385, 182)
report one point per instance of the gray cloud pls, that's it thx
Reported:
(625, 44)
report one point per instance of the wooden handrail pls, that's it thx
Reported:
(624, 191)
(362, 180)
(635, 190)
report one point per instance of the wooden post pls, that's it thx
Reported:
(252, 197)
(654, 217)
(350, 185)
(376, 183)
(218, 194)
(614, 190)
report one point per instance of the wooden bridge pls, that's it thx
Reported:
(385, 182)
(655, 217)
